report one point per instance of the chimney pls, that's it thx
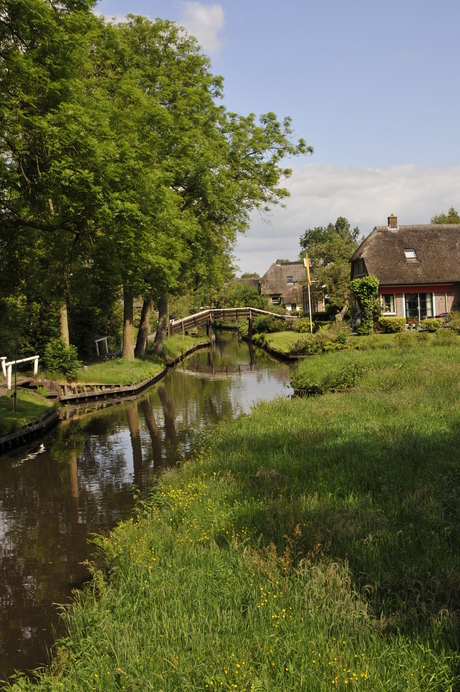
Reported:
(392, 221)
(278, 262)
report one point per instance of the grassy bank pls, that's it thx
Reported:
(120, 371)
(314, 544)
(29, 407)
(285, 342)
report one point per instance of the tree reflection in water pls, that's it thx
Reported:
(79, 482)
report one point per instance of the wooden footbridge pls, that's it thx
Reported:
(207, 317)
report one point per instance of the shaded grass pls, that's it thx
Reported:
(120, 371)
(313, 544)
(29, 408)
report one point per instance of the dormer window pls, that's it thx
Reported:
(359, 269)
(290, 280)
(410, 254)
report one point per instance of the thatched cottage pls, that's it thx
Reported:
(284, 283)
(418, 267)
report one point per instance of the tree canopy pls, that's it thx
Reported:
(452, 216)
(120, 171)
(330, 249)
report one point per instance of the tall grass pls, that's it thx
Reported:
(311, 545)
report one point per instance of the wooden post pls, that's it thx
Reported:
(250, 324)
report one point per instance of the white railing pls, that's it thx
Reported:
(9, 367)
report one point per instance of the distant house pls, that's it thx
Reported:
(284, 284)
(418, 267)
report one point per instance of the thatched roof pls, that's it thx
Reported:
(437, 250)
(275, 281)
(250, 281)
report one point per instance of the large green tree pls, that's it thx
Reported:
(330, 249)
(118, 166)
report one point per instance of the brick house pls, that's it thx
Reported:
(418, 267)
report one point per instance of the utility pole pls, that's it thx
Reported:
(306, 262)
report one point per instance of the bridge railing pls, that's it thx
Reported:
(208, 316)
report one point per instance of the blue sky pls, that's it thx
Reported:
(373, 85)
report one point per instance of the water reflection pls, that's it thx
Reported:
(79, 482)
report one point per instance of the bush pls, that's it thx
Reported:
(302, 326)
(260, 339)
(333, 339)
(268, 324)
(432, 324)
(61, 359)
(390, 325)
(446, 337)
(365, 291)
(306, 345)
(453, 319)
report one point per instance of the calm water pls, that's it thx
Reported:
(79, 482)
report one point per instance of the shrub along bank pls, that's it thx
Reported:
(313, 544)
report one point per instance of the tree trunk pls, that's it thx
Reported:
(64, 324)
(163, 320)
(146, 406)
(143, 332)
(128, 328)
(340, 315)
(133, 424)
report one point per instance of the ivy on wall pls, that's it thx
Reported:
(365, 290)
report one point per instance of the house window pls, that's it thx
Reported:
(410, 254)
(289, 280)
(388, 304)
(360, 269)
(419, 306)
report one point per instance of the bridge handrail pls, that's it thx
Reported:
(210, 313)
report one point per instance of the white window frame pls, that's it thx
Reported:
(388, 313)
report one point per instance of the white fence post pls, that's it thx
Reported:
(9, 371)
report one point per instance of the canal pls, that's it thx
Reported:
(79, 481)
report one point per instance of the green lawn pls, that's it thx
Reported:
(177, 344)
(311, 545)
(282, 340)
(29, 408)
(120, 371)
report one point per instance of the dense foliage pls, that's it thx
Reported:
(329, 249)
(121, 173)
(392, 324)
(432, 324)
(365, 290)
(61, 359)
(452, 216)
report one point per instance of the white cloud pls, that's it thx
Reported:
(365, 196)
(115, 18)
(204, 22)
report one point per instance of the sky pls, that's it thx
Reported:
(372, 85)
